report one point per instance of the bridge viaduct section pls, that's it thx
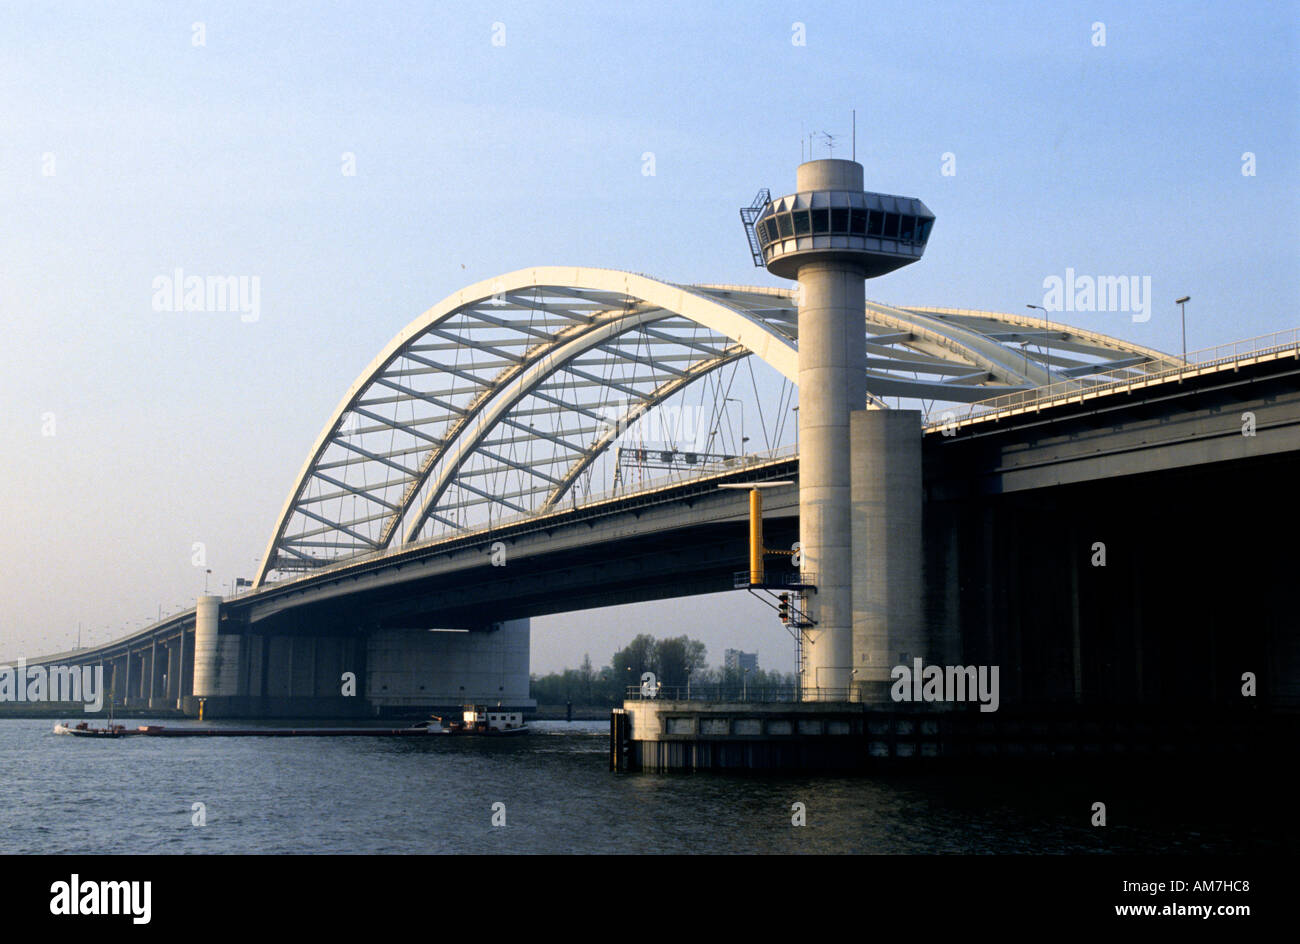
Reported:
(1138, 551)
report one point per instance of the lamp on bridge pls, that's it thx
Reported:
(743, 438)
(1182, 311)
(1047, 320)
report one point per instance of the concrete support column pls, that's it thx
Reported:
(158, 690)
(1076, 639)
(889, 625)
(941, 596)
(311, 687)
(180, 669)
(171, 691)
(832, 384)
(264, 685)
(153, 669)
(207, 618)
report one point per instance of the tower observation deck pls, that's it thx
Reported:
(839, 221)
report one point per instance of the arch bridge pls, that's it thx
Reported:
(489, 416)
(501, 400)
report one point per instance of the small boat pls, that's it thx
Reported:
(82, 729)
(476, 719)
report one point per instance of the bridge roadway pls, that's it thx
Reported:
(1169, 439)
(677, 539)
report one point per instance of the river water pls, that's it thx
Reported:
(412, 795)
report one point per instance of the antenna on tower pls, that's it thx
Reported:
(855, 134)
(830, 142)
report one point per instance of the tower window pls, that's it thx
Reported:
(906, 227)
(821, 221)
(802, 227)
(876, 226)
(891, 225)
(840, 220)
(783, 221)
(858, 222)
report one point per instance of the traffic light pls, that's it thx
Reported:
(784, 608)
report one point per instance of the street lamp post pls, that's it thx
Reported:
(743, 438)
(1047, 324)
(1047, 319)
(1182, 311)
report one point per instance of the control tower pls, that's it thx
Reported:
(859, 470)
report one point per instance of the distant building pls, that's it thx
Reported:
(733, 660)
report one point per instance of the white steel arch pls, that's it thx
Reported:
(502, 395)
(506, 338)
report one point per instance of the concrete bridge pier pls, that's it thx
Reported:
(172, 693)
(889, 626)
(159, 667)
(341, 667)
(216, 657)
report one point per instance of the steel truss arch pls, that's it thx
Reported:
(516, 332)
(504, 394)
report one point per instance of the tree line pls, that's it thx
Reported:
(675, 661)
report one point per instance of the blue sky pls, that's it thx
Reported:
(474, 159)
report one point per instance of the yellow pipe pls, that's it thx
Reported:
(755, 536)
